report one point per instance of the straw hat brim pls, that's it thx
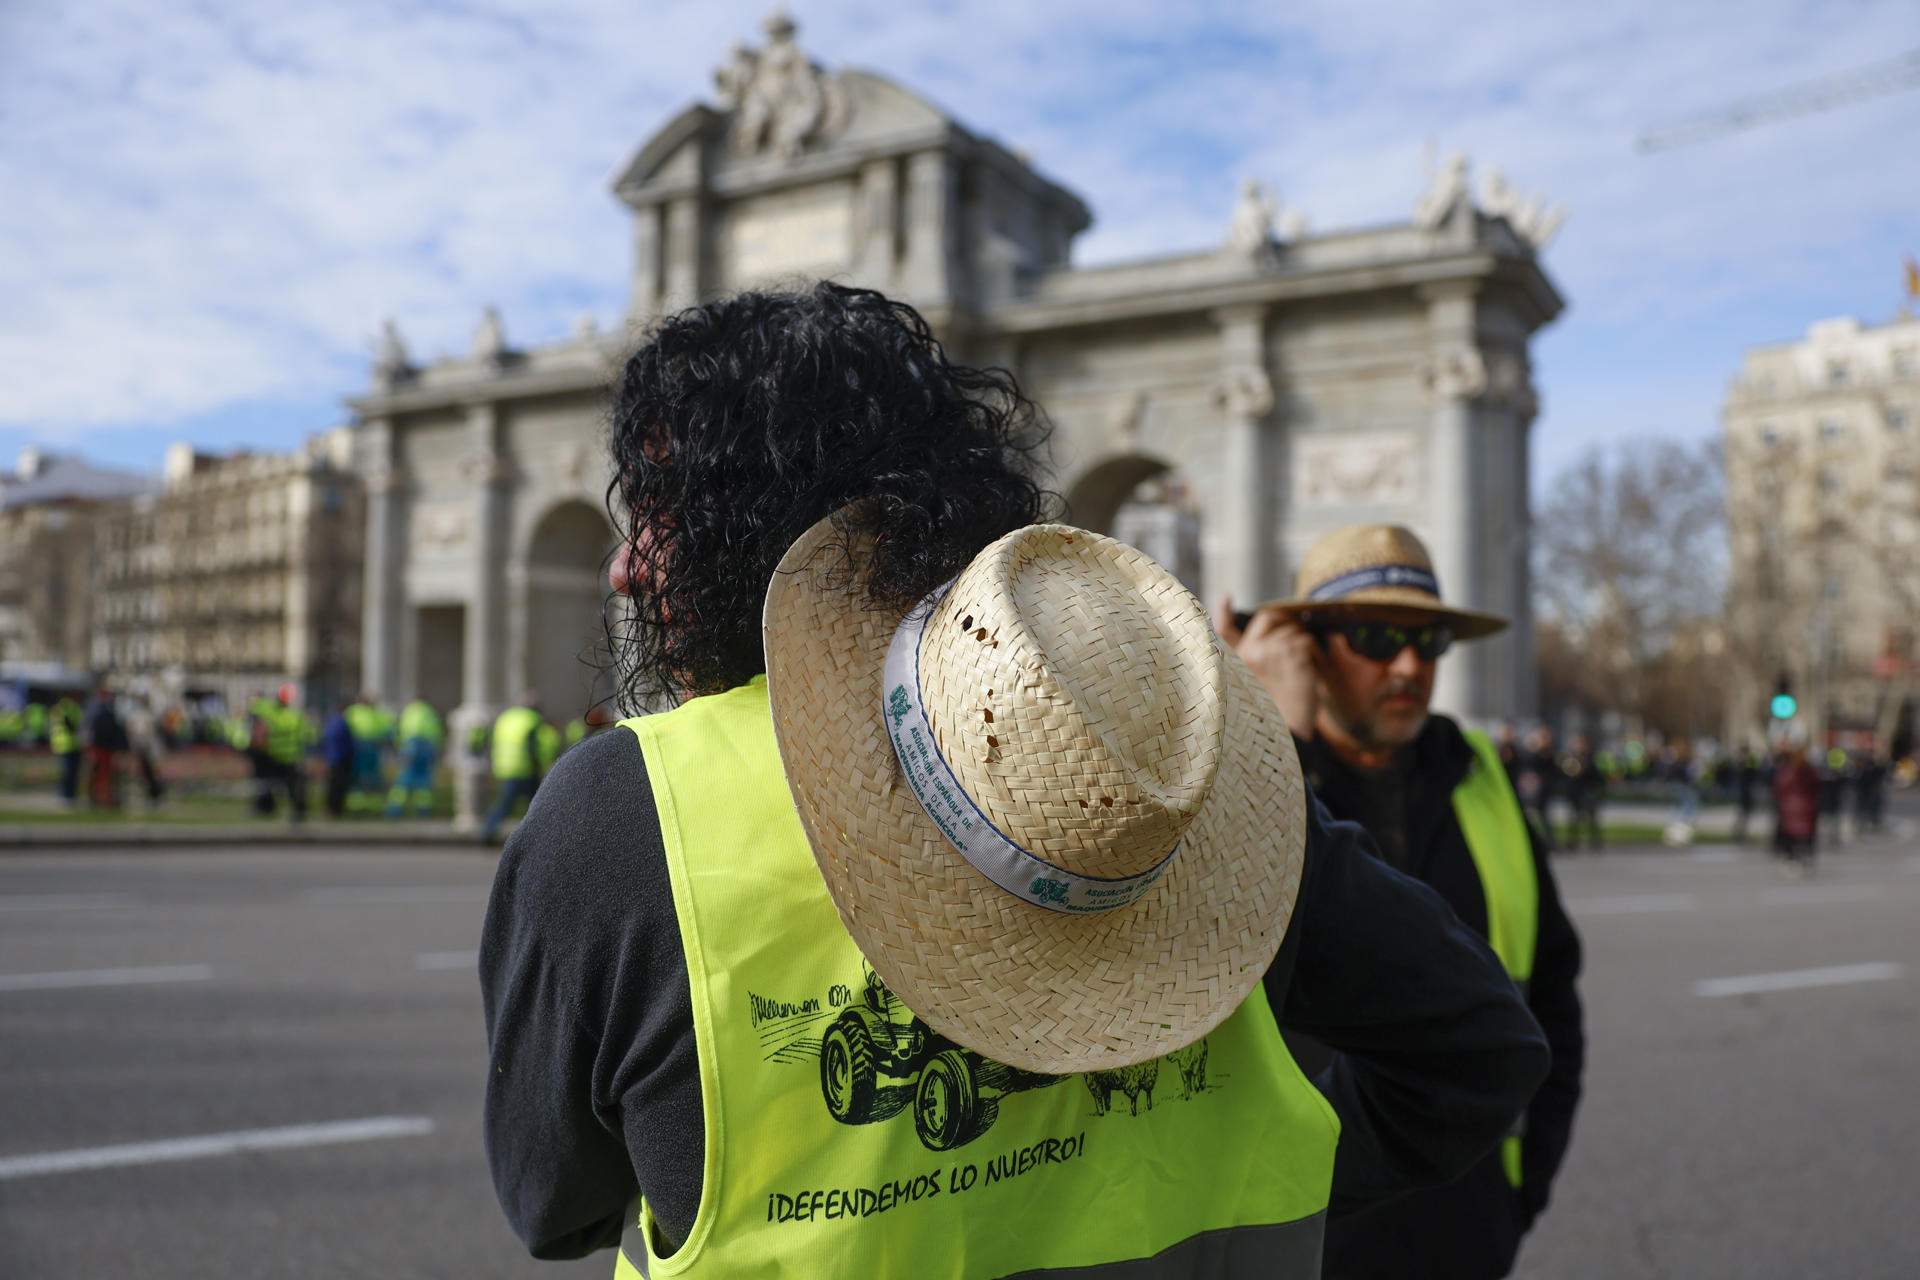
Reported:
(1032, 988)
(1394, 604)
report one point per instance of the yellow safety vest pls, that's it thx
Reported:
(1496, 835)
(63, 733)
(844, 1137)
(286, 733)
(513, 746)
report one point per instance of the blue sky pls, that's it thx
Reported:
(208, 209)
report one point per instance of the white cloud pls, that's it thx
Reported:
(221, 203)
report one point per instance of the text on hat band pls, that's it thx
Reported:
(955, 813)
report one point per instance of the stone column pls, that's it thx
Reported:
(1456, 378)
(386, 557)
(488, 472)
(929, 199)
(877, 234)
(646, 262)
(683, 252)
(1247, 512)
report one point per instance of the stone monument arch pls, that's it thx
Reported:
(560, 624)
(1296, 381)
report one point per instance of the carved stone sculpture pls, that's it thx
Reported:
(782, 101)
(1458, 373)
(1245, 393)
(1252, 227)
(391, 363)
(490, 338)
(1530, 217)
(1446, 190)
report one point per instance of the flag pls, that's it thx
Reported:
(1913, 277)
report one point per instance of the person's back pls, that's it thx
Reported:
(685, 1050)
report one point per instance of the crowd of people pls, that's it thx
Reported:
(1563, 790)
(368, 759)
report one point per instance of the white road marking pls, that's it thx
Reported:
(214, 1144)
(134, 977)
(64, 901)
(1816, 893)
(1631, 904)
(432, 960)
(1793, 980)
(373, 895)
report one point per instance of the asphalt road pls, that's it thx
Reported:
(321, 1005)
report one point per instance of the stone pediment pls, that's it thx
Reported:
(704, 145)
(779, 118)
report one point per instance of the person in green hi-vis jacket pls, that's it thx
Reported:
(63, 737)
(520, 748)
(421, 737)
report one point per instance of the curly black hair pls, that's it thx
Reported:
(740, 423)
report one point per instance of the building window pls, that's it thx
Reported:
(1838, 374)
(1904, 364)
(1897, 419)
(1829, 480)
(1769, 434)
(1832, 428)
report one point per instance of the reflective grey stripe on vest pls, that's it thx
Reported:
(1287, 1250)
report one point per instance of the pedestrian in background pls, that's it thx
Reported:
(1871, 792)
(1351, 659)
(337, 752)
(144, 744)
(1586, 789)
(520, 742)
(369, 724)
(106, 739)
(1746, 792)
(1796, 808)
(280, 737)
(421, 736)
(1535, 782)
(64, 725)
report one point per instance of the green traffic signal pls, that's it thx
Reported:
(1784, 706)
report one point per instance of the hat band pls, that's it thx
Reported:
(954, 812)
(1380, 575)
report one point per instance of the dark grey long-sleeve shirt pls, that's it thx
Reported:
(594, 1088)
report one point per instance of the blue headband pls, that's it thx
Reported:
(1385, 575)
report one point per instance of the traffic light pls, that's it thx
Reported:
(1784, 704)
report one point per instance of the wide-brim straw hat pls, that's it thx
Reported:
(1070, 714)
(1376, 571)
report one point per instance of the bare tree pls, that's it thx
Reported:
(1631, 567)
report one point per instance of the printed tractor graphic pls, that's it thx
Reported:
(877, 1059)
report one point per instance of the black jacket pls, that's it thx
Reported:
(593, 1088)
(1472, 1227)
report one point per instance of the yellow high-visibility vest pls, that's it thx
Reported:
(1496, 835)
(845, 1137)
(514, 731)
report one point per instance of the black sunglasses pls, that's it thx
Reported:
(1383, 641)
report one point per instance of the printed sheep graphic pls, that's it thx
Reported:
(1136, 1082)
(1192, 1062)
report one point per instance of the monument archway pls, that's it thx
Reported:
(1146, 503)
(564, 647)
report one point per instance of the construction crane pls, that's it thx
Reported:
(1877, 80)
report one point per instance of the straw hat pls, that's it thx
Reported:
(1126, 793)
(1376, 571)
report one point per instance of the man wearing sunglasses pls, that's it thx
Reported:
(1351, 661)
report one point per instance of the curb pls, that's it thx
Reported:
(36, 838)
